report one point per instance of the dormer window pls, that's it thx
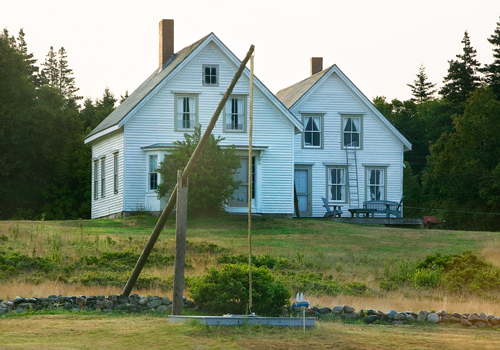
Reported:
(211, 75)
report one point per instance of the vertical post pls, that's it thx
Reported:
(304, 319)
(180, 243)
(249, 198)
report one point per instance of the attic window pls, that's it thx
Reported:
(211, 75)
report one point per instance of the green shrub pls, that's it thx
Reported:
(226, 291)
(436, 260)
(315, 283)
(467, 274)
(426, 278)
(119, 261)
(257, 260)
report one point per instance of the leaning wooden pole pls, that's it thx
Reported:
(249, 198)
(185, 174)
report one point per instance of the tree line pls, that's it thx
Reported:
(45, 166)
(453, 170)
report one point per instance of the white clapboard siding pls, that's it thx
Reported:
(379, 146)
(154, 123)
(106, 147)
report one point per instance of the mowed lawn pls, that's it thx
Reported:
(148, 332)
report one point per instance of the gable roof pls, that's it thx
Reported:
(145, 91)
(295, 94)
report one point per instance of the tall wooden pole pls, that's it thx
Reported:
(180, 243)
(185, 174)
(250, 166)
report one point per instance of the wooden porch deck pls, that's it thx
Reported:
(380, 221)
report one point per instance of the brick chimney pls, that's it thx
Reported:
(316, 65)
(166, 40)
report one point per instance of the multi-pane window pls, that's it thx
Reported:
(186, 113)
(152, 173)
(336, 184)
(352, 132)
(211, 75)
(103, 177)
(240, 195)
(235, 114)
(376, 183)
(96, 179)
(115, 172)
(312, 131)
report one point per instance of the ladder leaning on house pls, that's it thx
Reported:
(352, 177)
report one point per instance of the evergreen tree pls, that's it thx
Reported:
(462, 78)
(50, 73)
(422, 90)
(492, 71)
(66, 83)
(124, 97)
(31, 69)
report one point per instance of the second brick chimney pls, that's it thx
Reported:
(316, 65)
(166, 40)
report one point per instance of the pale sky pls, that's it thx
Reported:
(378, 44)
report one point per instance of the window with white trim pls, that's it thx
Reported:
(211, 75)
(336, 186)
(351, 130)
(96, 179)
(115, 173)
(103, 177)
(153, 176)
(375, 183)
(313, 132)
(235, 115)
(186, 113)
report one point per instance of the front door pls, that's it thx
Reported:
(303, 190)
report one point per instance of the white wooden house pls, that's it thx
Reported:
(349, 152)
(183, 92)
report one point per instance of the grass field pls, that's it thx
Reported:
(139, 332)
(341, 252)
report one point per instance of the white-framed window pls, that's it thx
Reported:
(313, 131)
(240, 195)
(351, 132)
(103, 177)
(115, 173)
(337, 184)
(96, 179)
(235, 114)
(153, 176)
(376, 183)
(211, 75)
(186, 116)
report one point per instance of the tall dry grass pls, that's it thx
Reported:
(400, 302)
(28, 290)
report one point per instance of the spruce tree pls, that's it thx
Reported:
(462, 78)
(492, 71)
(66, 83)
(50, 72)
(422, 90)
(31, 69)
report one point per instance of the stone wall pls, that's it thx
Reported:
(138, 304)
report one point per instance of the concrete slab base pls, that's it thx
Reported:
(234, 320)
